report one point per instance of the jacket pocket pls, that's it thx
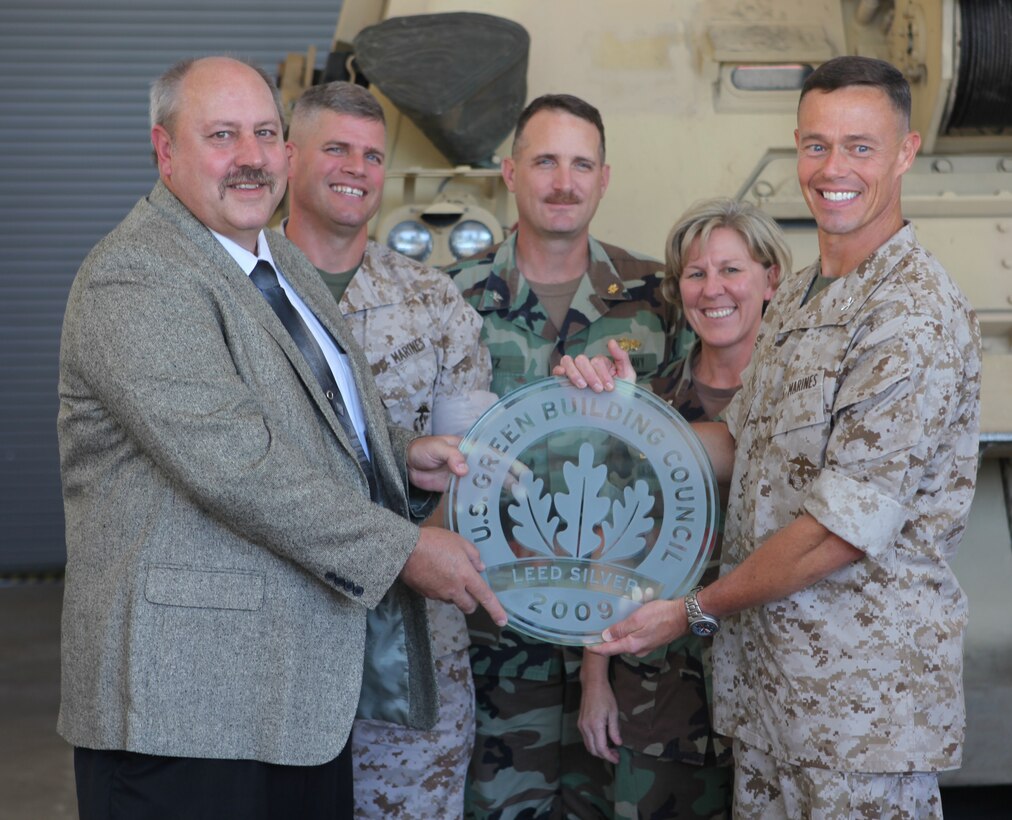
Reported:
(204, 588)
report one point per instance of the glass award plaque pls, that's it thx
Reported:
(584, 506)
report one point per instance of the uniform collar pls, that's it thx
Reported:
(843, 299)
(506, 289)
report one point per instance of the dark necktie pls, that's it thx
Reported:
(266, 280)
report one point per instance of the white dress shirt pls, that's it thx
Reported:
(338, 361)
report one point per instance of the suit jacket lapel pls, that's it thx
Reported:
(292, 265)
(305, 279)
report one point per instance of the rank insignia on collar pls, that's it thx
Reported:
(629, 345)
(612, 288)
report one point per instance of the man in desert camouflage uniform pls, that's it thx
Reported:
(548, 290)
(838, 671)
(422, 341)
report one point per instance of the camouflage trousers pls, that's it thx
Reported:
(415, 775)
(529, 760)
(653, 788)
(769, 789)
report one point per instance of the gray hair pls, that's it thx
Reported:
(765, 241)
(164, 95)
(339, 97)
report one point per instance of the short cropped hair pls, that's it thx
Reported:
(765, 241)
(164, 96)
(566, 103)
(843, 72)
(341, 98)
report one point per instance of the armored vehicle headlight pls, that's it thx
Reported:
(412, 239)
(470, 237)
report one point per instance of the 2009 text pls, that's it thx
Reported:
(560, 609)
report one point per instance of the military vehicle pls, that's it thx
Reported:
(699, 99)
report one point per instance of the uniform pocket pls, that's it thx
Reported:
(405, 377)
(803, 404)
(508, 373)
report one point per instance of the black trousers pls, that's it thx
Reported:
(117, 785)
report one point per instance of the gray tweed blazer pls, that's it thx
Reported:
(221, 546)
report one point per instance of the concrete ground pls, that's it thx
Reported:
(36, 765)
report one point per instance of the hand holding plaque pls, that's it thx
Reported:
(584, 506)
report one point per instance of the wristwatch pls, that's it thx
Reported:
(699, 622)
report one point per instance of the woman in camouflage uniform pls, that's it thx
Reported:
(650, 716)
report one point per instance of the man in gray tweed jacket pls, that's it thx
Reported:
(222, 548)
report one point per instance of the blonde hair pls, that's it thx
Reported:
(765, 241)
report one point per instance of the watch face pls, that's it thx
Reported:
(704, 628)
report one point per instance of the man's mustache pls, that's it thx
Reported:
(563, 198)
(247, 176)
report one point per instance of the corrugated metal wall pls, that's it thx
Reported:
(74, 157)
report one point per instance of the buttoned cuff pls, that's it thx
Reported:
(856, 512)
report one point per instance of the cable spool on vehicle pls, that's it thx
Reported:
(982, 93)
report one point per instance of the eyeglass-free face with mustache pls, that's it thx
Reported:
(336, 169)
(557, 175)
(225, 159)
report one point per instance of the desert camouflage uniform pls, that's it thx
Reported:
(529, 758)
(773, 790)
(860, 408)
(671, 763)
(422, 341)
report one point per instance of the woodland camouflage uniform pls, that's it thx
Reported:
(672, 764)
(528, 748)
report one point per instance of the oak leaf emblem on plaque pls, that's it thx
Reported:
(593, 525)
